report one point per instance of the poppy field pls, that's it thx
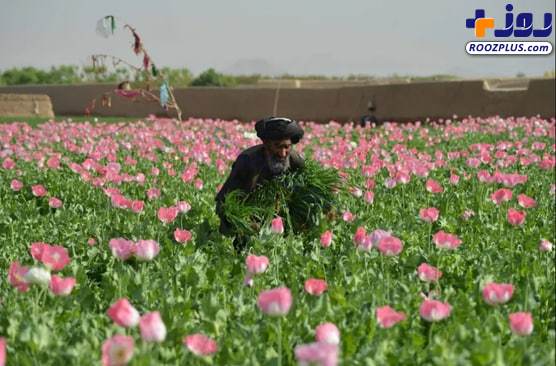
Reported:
(440, 251)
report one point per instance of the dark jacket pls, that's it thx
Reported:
(249, 169)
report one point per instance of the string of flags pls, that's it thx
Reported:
(106, 27)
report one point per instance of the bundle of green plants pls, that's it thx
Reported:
(301, 198)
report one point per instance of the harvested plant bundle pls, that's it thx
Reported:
(300, 198)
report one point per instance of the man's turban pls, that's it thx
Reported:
(278, 128)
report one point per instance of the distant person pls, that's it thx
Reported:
(369, 118)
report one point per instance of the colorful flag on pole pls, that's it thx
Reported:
(106, 26)
(164, 94)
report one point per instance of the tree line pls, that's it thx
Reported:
(177, 77)
(71, 74)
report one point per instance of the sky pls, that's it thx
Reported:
(334, 38)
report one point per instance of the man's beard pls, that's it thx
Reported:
(276, 165)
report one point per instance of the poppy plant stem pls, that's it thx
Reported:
(388, 284)
(430, 242)
(276, 265)
(279, 341)
(383, 276)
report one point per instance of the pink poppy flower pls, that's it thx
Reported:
(37, 249)
(326, 239)
(53, 162)
(199, 184)
(275, 302)
(117, 350)
(61, 286)
(328, 333)
(16, 276)
(497, 293)
(200, 344)
(521, 323)
(2, 351)
(390, 246)
(433, 310)
(140, 178)
(387, 317)
(38, 190)
(348, 216)
(369, 197)
(428, 273)
(123, 313)
(429, 214)
(190, 173)
(433, 186)
(256, 264)
(445, 240)
(55, 257)
(54, 202)
(152, 327)
(356, 192)
(137, 206)
(277, 226)
(167, 214)
(403, 177)
(545, 246)
(120, 201)
(153, 193)
(182, 236)
(91, 242)
(390, 183)
(319, 353)
(183, 206)
(516, 217)
(146, 250)
(8, 164)
(376, 236)
(360, 237)
(16, 185)
(526, 201)
(315, 286)
(501, 195)
(454, 179)
(122, 248)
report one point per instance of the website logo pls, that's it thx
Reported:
(519, 26)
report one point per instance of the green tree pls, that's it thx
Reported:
(178, 78)
(25, 75)
(212, 78)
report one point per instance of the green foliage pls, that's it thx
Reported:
(248, 79)
(300, 198)
(64, 74)
(178, 78)
(102, 74)
(198, 286)
(181, 77)
(211, 77)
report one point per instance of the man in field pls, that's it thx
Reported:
(258, 163)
